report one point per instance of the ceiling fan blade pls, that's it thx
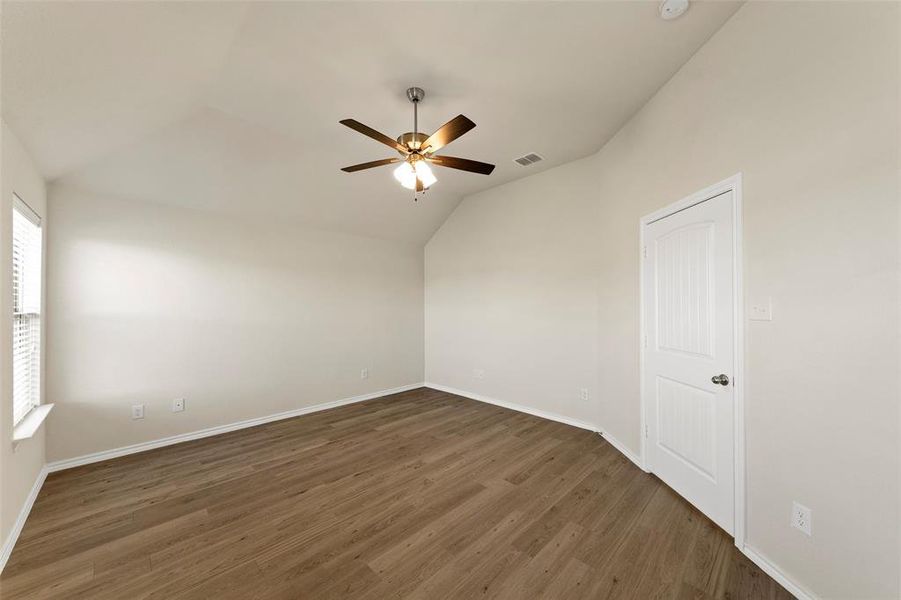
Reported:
(447, 133)
(463, 164)
(376, 135)
(369, 165)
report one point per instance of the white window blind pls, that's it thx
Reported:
(26, 310)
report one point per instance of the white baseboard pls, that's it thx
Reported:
(623, 450)
(69, 463)
(517, 407)
(20, 520)
(773, 571)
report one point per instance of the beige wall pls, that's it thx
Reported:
(536, 282)
(19, 467)
(243, 318)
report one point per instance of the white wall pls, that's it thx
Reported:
(19, 467)
(537, 281)
(243, 318)
(511, 290)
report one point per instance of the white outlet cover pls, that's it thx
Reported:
(178, 405)
(761, 309)
(801, 518)
(137, 411)
(364, 373)
(583, 394)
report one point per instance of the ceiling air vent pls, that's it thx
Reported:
(528, 159)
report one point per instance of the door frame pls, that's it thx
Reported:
(732, 184)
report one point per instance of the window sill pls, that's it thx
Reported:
(28, 426)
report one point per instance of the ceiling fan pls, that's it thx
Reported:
(417, 149)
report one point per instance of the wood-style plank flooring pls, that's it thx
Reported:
(418, 495)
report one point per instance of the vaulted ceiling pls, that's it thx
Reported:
(235, 106)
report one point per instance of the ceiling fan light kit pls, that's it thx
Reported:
(407, 175)
(417, 149)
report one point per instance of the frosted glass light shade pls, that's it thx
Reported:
(425, 174)
(406, 174)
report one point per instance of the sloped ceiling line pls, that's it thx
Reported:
(234, 107)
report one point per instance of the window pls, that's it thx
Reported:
(26, 310)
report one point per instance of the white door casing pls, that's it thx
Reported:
(690, 335)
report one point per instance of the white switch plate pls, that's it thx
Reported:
(178, 405)
(364, 373)
(137, 411)
(761, 309)
(801, 517)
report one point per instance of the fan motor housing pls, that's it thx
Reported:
(411, 140)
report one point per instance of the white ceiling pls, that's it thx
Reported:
(232, 106)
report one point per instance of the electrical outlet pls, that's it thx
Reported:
(583, 394)
(137, 411)
(801, 517)
(478, 373)
(178, 405)
(364, 373)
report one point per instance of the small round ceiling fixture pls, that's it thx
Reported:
(672, 9)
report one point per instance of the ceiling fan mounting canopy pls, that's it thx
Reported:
(415, 94)
(416, 147)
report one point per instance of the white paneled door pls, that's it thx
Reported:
(688, 287)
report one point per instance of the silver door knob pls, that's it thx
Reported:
(721, 379)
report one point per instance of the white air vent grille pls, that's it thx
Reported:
(528, 159)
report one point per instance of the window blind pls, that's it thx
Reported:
(26, 310)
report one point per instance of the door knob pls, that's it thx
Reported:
(721, 379)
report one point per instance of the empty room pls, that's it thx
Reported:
(450, 300)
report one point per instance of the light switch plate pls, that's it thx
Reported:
(761, 309)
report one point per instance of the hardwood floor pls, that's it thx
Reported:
(418, 495)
